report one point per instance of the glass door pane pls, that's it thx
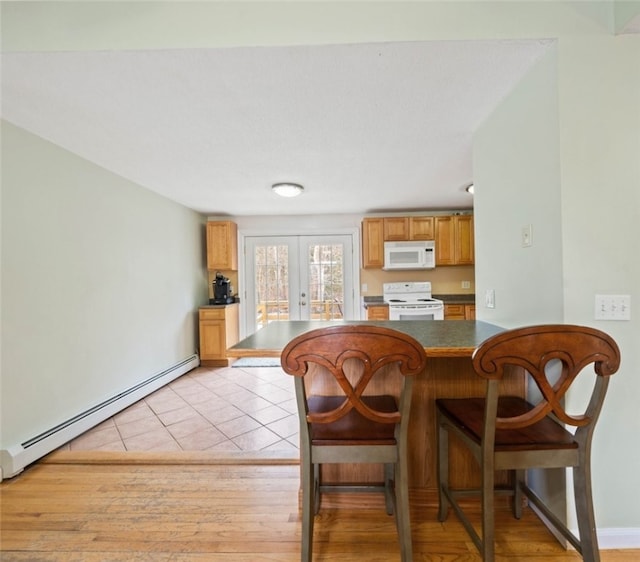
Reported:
(325, 277)
(298, 278)
(269, 267)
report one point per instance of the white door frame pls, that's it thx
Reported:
(355, 264)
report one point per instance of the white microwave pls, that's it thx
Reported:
(410, 255)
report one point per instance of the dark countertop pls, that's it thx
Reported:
(468, 298)
(443, 338)
(217, 305)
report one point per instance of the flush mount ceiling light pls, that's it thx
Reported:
(287, 189)
(469, 189)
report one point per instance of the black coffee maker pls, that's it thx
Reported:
(222, 290)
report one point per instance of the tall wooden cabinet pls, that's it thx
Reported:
(222, 246)
(219, 330)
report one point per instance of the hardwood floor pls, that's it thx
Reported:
(224, 512)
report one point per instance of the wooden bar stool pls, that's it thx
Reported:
(354, 394)
(511, 433)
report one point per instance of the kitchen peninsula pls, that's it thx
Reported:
(449, 373)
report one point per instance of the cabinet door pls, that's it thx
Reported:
(421, 228)
(464, 240)
(445, 240)
(378, 313)
(396, 228)
(232, 325)
(470, 312)
(454, 312)
(212, 339)
(454, 240)
(222, 246)
(372, 243)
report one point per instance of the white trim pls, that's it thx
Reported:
(609, 538)
(618, 538)
(15, 458)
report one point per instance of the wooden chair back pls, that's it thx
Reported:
(554, 356)
(338, 350)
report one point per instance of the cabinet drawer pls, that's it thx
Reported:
(454, 311)
(378, 313)
(211, 314)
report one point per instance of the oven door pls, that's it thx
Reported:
(417, 312)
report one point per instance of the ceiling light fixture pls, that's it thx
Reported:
(469, 189)
(287, 189)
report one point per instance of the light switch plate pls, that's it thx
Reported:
(527, 236)
(490, 298)
(612, 307)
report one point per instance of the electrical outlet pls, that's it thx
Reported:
(364, 288)
(613, 307)
(466, 284)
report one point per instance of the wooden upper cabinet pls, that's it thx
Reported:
(453, 235)
(445, 243)
(454, 240)
(372, 243)
(465, 253)
(222, 246)
(396, 228)
(421, 228)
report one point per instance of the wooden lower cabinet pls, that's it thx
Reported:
(459, 311)
(219, 330)
(377, 312)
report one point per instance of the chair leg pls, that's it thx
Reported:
(389, 484)
(488, 505)
(308, 501)
(443, 470)
(403, 514)
(584, 512)
(518, 478)
(316, 488)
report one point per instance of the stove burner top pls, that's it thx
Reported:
(409, 294)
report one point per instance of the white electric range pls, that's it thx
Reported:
(412, 301)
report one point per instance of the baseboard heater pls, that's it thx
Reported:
(14, 459)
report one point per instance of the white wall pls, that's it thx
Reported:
(599, 99)
(516, 172)
(101, 280)
(562, 152)
(513, 190)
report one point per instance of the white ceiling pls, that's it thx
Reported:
(365, 128)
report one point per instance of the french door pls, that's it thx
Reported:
(298, 278)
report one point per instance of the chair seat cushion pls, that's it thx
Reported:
(353, 428)
(468, 415)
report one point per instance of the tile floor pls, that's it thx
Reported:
(207, 409)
